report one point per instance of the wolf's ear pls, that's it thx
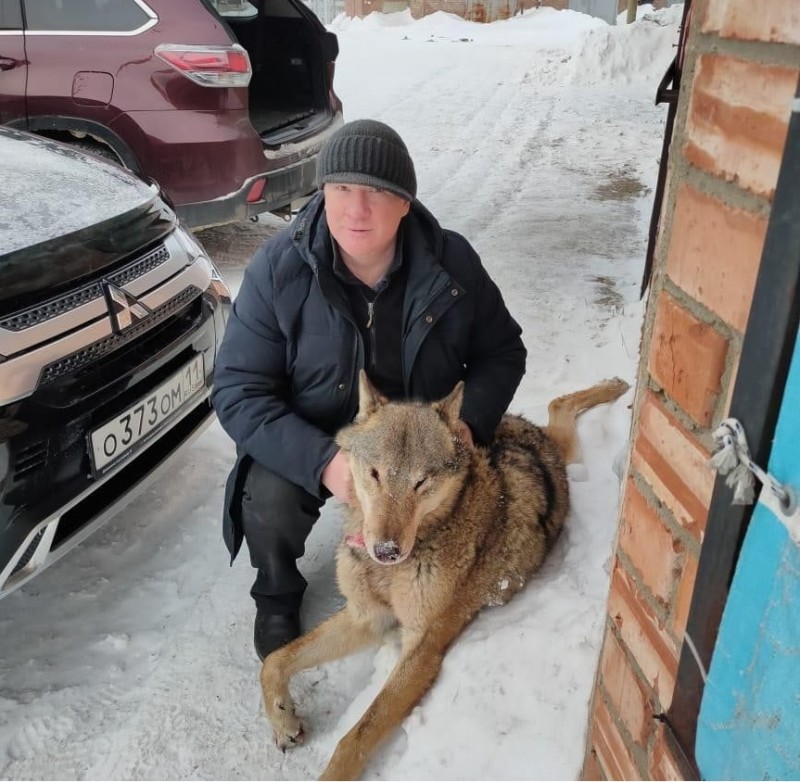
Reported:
(369, 400)
(450, 407)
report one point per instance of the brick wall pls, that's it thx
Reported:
(740, 75)
(474, 10)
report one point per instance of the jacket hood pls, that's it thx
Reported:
(312, 238)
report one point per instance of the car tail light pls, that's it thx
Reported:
(256, 191)
(210, 66)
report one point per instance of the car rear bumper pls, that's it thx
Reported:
(282, 187)
(209, 177)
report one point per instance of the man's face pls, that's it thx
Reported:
(363, 220)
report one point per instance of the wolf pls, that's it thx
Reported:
(437, 529)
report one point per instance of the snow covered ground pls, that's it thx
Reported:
(537, 137)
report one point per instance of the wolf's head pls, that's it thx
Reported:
(408, 465)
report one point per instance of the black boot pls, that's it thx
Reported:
(274, 630)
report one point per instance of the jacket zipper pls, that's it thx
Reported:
(372, 347)
(353, 390)
(428, 302)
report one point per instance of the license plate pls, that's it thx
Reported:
(117, 437)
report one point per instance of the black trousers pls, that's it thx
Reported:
(277, 517)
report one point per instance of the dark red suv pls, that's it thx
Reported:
(224, 103)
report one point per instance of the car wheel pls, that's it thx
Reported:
(96, 148)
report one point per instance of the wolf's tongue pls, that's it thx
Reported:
(355, 541)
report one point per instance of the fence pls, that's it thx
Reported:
(326, 10)
(604, 9)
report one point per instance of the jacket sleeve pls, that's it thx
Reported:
(496, 358)
(251, 387)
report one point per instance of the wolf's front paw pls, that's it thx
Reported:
(288, 728)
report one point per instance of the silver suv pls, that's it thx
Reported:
(110, 318)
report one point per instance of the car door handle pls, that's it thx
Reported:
(6, 63)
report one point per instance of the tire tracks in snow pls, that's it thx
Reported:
(504, 123)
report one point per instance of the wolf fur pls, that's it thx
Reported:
(437, 530)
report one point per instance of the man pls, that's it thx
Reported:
(363, 278)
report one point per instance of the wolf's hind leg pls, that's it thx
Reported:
(342, 634)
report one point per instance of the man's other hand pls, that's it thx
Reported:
(337, 479)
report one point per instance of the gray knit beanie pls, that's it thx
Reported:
(367, 152)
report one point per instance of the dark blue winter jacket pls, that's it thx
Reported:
(286, 376)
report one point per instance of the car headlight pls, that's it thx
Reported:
(188, 242)
(218, 284)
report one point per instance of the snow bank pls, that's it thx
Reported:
(627, 53)
(542, 28)
(580, 49)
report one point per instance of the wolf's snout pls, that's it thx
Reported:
(387, 551)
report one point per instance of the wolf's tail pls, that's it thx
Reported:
(565, 410)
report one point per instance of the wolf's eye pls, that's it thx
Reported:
(374, 473)
(419, 484)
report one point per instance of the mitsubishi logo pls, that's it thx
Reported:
(123, 309)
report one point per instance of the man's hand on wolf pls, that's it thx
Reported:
(338, 479)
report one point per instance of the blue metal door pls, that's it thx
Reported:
(749, 723)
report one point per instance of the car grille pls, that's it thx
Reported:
(31, 458)
(91, 353)
(40, 313)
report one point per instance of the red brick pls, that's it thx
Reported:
(674, 464)
(687, 359)
(777, 21)
(662, 764)
(592, 770)
(627, 693)
(614, 756)
(644, 635)
(714, 254)
(683, 598)
(738, 118)
(649, 545)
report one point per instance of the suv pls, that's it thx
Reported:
(110, 319)
(225, 103)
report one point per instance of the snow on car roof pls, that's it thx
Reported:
(50, 190)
